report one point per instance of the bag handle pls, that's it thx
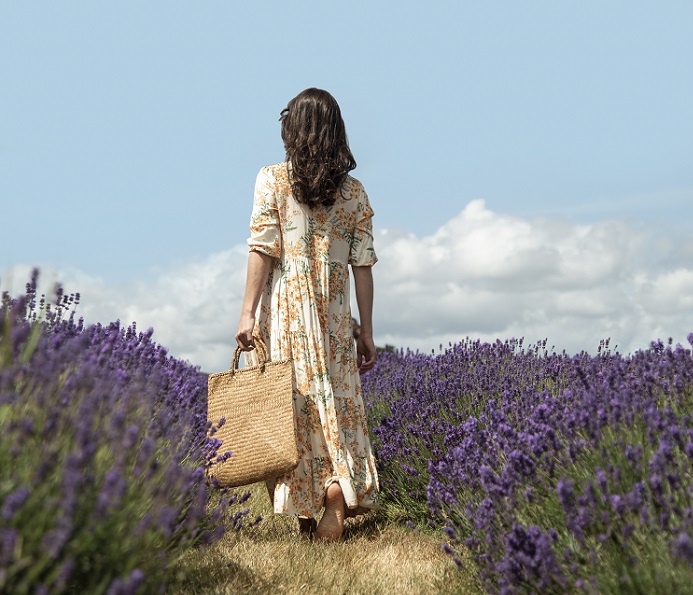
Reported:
(259, 343)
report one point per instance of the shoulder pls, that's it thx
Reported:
(276, 168)
(354, 187)
(356, 193)
(275, 174)
(273, 171)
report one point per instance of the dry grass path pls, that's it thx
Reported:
(374, 557)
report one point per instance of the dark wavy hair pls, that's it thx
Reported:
(316, 146)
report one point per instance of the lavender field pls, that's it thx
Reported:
(103, 449)
(546, 472)
(558, 473)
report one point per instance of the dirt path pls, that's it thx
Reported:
(374, 557)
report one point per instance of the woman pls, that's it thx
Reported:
(311, 220)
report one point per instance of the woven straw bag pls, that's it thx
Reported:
(257, 404)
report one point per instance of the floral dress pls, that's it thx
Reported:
(304, 314)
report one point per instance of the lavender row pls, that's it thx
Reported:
(103, 448)
(556, 472)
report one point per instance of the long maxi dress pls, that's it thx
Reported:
(305, 314)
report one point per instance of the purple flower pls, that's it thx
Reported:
(134, 581)
(8, 541)
(656, 485)
(485, 514)
(689, 450)
(664, 519)
(565, 494)
(683, 545)
(628, 530)
(504, 430)
(530, 559)
(602, 482)
(618, 505)
(14, 501)
(65, 572)
(634, 455)
(104, 399)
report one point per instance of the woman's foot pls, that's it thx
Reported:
(307, 527)
(331, 524)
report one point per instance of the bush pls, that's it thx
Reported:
(558, 473)
(103, 448)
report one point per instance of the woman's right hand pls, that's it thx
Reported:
(244, 334)
(365, 353)
(259, 265)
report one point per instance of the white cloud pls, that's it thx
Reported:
(491, 276)
(481, 274)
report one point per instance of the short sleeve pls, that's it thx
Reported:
(265, 233)
(362, 253)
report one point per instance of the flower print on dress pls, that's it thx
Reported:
(304, 314)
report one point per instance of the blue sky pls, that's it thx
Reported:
(131, 133)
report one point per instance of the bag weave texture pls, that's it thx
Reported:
(257, 404)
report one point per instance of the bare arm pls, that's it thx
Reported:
(259, 266)
(365, 348)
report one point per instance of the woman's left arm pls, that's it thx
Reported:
(259, 266)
